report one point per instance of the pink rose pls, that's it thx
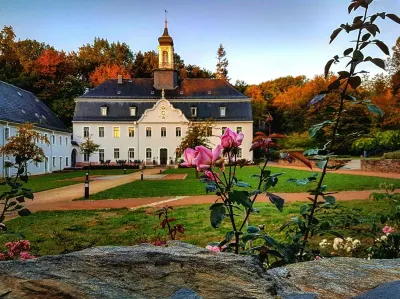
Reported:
(204, 157)
(188, 155)
(211, 176)
(213, 248)
(231, 139)
(388, 230)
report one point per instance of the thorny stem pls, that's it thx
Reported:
(320, 182)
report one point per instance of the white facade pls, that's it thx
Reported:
(58, 152)
(167, 126)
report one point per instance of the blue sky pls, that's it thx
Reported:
(264, 39)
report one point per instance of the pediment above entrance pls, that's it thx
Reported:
(163, 111)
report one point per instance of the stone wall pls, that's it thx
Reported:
(384, 165)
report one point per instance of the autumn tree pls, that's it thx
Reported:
(88, 147)
(104, 72)
(222, 64)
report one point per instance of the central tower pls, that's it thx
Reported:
(165, 77)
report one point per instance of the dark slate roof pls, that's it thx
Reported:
(119, 111)
(142, 88)
(20, 106)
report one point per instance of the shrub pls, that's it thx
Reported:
(392, 155)
(298, 140)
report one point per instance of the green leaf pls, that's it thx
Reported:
(229, 236)
(393, 17)
(249, 237)
(334, 85)
(355, 82)
(217, 214)
(20, 199)
(252, 229)
(335, 34)
(276, 200)
(347, 51)
(271, 242)
(379, 62)
(321, 164)
(266, 173)
(330, 199)
(350, 98)
(24, 178)
(358, 55)
(27, 194)
(323, 188)
(375, 109)
(304, 209)
(325, 226)
(382, 46)
(328, 66)
(240, 197)
(365, 37)
(383, 219)
(243, 185)
(24, 212)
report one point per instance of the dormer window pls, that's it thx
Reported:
(152, 92)
(133, 111)
(103, 111)
(222, 111)
(193, 111)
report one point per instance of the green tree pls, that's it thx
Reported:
(241, 86)
(222, 64)
(88, 147)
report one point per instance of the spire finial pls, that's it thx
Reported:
(166, 19)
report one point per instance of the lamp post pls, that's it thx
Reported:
(87, 186)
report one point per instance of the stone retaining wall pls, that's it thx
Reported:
(384, 165)
(301, 164)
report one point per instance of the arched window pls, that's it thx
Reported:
(163, 132)
(165, 57)
(148, 153)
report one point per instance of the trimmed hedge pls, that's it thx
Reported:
(392, 155)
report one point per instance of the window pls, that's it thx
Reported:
(66, 140)
(131, 153)
(101, 131)
(148, 153)
(103, 111)
(239, 130)
(101, 155)
(148, 132)
(133, 111)
(222, 111)
(60, 162)
(178, 132)
(53, 139)
(45, 136)
(54, 161)
(60, 140)
(85, 132)
(223, 130)
(163, 132)
(193, 111)
(66, 161)
(6, 133)
(116, 132)
(131, 132)
(239, 152)
(116, 153)
(209, 131)
(86, 157)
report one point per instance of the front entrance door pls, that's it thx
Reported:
(73, 158)
(163, 156)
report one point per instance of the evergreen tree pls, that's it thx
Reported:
(222, 64)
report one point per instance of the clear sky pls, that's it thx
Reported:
(264, 39)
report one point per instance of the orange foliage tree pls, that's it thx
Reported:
(109, 71)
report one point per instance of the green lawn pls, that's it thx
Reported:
(55, 180)
(57, 232)
(192, 186)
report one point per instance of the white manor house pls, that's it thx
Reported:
(146, 118)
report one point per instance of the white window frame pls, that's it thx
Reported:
(129, 132)
(53, 139)
(132, 111)
(178, 129)
(66, 161)
(84, 132)
(61, 161)
(6, 133)
(86, 157)
(222, 111)
(102, 152)
(131, 150)
(193, 111)
(104, 111)
(66, 140)
(104, 132)
(149, 131)
(163, 131)
(119, 153)
(53, 160)
(119, 132)
(151, 152)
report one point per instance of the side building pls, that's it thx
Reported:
(146, 118)
(18, 106)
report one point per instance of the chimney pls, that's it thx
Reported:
(119, 79)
